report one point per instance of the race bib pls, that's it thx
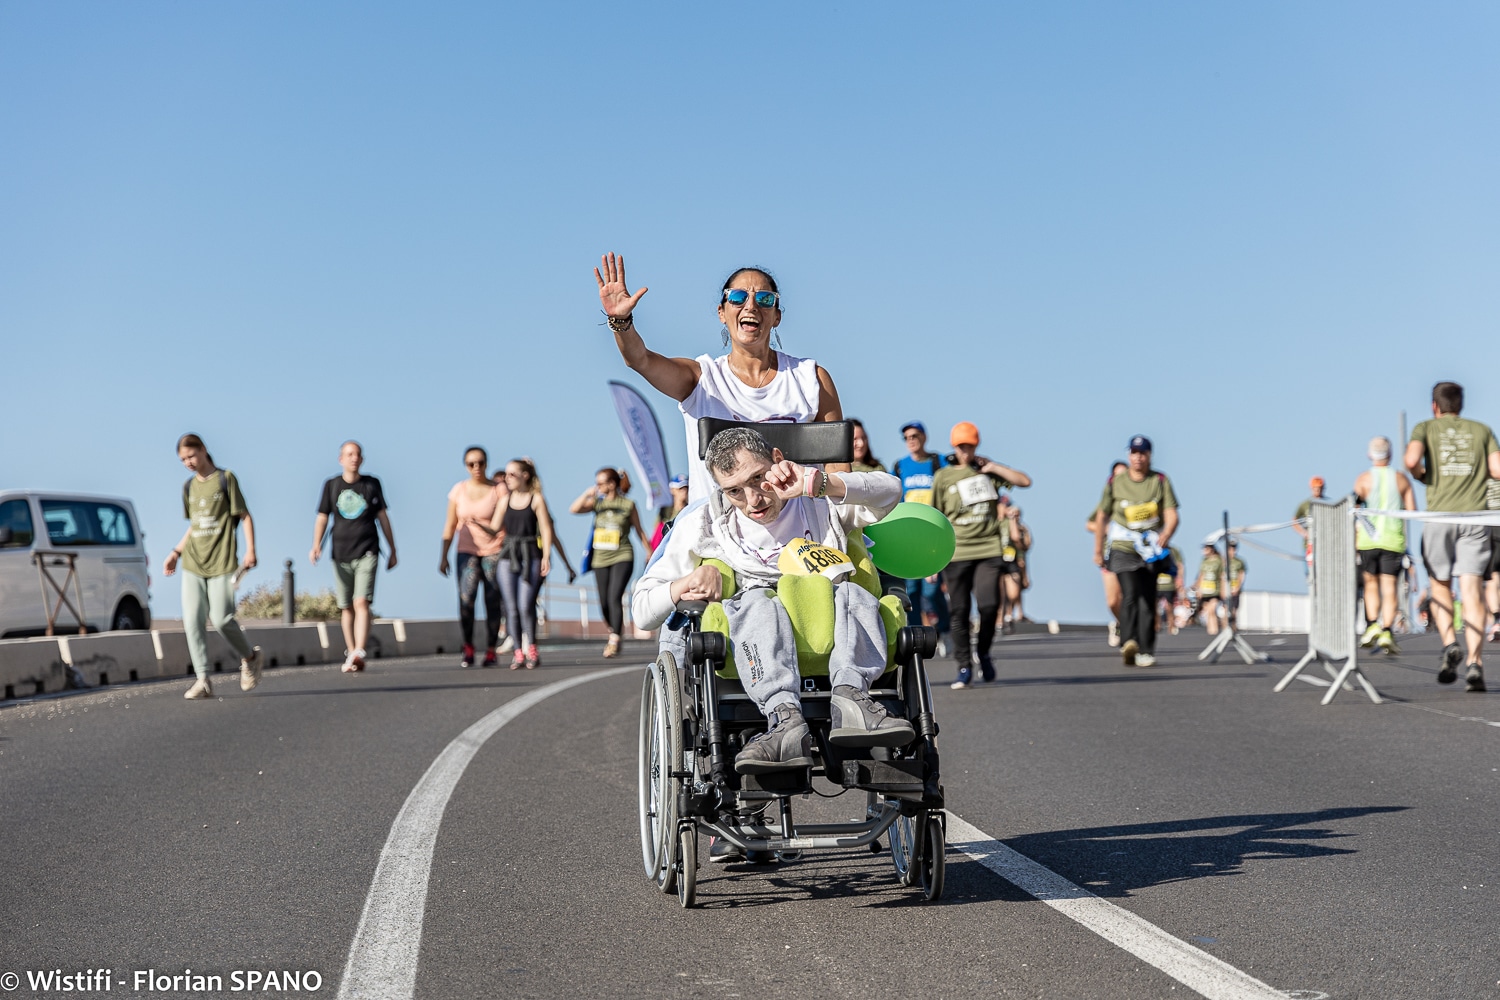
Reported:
(1141, 515)
(606, 539)
(1009, 553)
(977, 489)
(803, 557)
(919, 496)
(1164, 582)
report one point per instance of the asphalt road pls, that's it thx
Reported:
(1347, 851)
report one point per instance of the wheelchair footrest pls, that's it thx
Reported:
(776, 783)
(891, 777)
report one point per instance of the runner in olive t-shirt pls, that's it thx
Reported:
(1455, 458)
(967, 493)
(612, 557)
(215, 508)
(1139, 500)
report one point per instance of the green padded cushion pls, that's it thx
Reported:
(809, 604)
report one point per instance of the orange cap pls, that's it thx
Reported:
(1315, 482)
(964, 433)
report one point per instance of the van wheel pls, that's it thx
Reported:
(128, 616)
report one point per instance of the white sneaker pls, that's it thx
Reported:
(201, 689)
(1114, 634)
(507, 645)
(1145, 660)
(250, 670)
(959, 685)
(348, 666)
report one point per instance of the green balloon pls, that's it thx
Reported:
(912, 541)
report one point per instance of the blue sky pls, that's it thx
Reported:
(1254, 232)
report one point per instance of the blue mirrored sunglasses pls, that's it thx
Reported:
(737, 297)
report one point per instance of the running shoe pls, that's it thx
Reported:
(1370, 634)
(857, 720)
(468, 658)
(1387, 642)
(532, 659)
(201, 689)
(490, 659)
(986, 667)
(508, 644)
(722, 852)
(942, 645)
(965, 678)
(1448, 663)
(359, 660)
(1145, 660)
(348, 666)
(1114, 634)
(785, 745)
(250, 669)
(518, 660)
(1129, 651)
(1495, 631)
(1474, 680)
(612, 647)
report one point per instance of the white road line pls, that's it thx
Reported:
(1192, 967)
(1451, 715)
(383, 957)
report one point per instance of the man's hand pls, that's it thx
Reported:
(317, 550)
(390, 563)
(786, 479)
(702, 584)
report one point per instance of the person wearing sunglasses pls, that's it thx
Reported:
(753, 381)
(471, 507)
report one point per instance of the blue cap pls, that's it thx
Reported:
(1140, 443)
(911, 424)
(678, 482)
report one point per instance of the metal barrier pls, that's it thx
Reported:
(1230, 635)
(1335, 589)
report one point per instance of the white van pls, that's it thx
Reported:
(111, 561)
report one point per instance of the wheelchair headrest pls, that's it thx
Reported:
(805, 444)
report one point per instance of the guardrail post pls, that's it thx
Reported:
(288, 594)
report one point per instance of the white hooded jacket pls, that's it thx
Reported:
(707, 533)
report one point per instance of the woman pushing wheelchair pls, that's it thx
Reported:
(767, 518)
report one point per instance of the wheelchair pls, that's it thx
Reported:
(695, 715)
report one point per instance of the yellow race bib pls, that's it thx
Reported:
(803, 557)
(1009, 553)
(1141, 515)
(606, 539)
(919, 496)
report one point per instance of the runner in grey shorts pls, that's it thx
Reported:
(1456, 458)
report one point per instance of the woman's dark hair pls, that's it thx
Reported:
(869, 455)
(193, 441)
(771, 278)
(1118, 465)
(528, 468)
(475, 447)
(612, 474)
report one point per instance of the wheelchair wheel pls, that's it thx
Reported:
(687, 879)
(903, 839)
(932, 862)
(660, 753)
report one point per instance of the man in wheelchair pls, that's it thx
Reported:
(770, 517)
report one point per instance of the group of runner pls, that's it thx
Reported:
(505, 534)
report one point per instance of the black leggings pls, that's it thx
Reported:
(612, 581)
(474, 573)
(979, 578)
(1138, 607)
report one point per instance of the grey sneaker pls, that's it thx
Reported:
(1474, 679)
(1145, 660)
(785, 746)
(250, 670)
(722, 852)
(858, 721)
(1452, 656)
(201, 689)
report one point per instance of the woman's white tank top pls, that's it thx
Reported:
(791, 397)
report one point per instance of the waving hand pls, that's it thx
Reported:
(613, 295)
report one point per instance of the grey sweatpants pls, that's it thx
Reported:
(765, 653)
